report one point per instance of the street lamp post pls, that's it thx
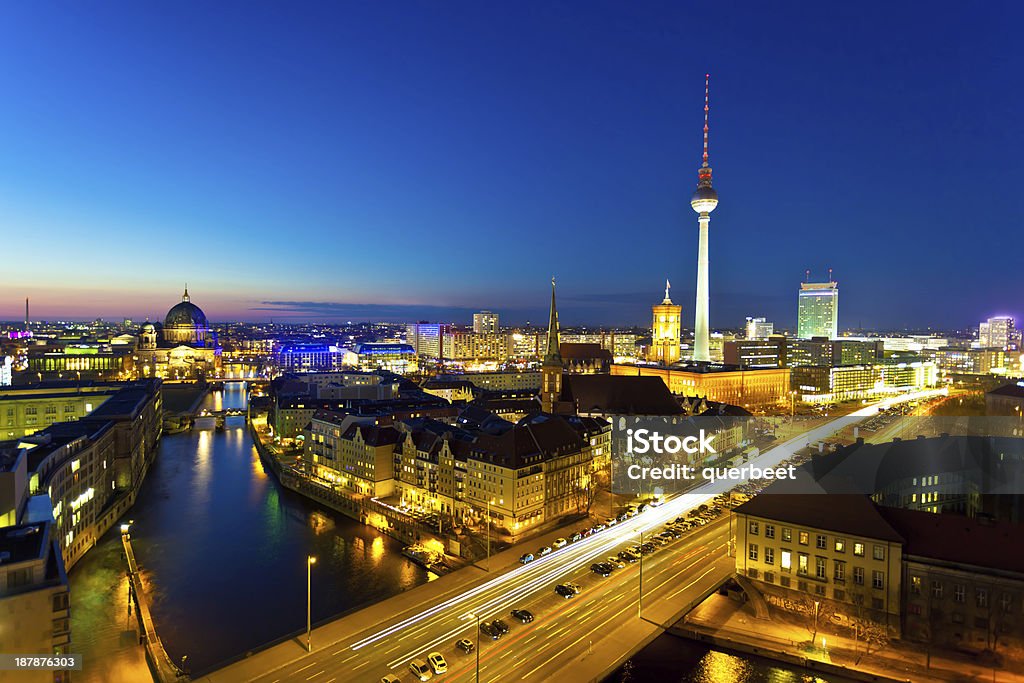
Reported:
(815, 636)
(477, 617)
(310, 561)
(640, 600)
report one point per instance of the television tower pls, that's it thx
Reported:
(704, 201)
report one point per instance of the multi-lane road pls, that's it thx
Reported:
(565, 631)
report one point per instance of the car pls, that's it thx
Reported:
(390, 678)
(522, 615)
(600, 568)
(647, 548)
(635, 549)
(437, 663)
(421, 669)
(642, 507)
(611, 521)
(659, 541)
(627, 556)
(622, 517)
(657, 503)
(577, 537)
(527, 558)
(500, 626)
(464, 644)
(615, 562)
(676, 533)
(489, 631)
(545, 550)
(559, 543)
(565, 591)
(599, 527)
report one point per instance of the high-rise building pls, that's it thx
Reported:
(759, 328)
(485, 322)
(818, 310)
(996, 333)
(665, 330)
(427, 338)
(704, 201)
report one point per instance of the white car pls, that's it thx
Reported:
(437, 662)
(615, 562)
(559, 543)
(420, 669)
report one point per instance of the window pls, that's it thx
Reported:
(877, 579)
(839, 571)
(821, 542)
(840, 545)
(915, 585)
(802, 538)
(769, 577)
(769, 531)
(769, 555)
(957, 618)
(753, 528)
(879, 552)
(936, 589)
(784, 581)
(877, 603)
(839, 594)
(858, 576)
(819, 568)
(980, 622)
(787, 561)
(958, 592)
(981, 597)
(753, 551)
(858, 549)
(819, 590)
(801, 567)
(1006, 603)
(787, 534)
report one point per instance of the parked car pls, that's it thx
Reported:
(599, 527)
(500, 626)
(615, 561)
(577, 537)
(437, 663)
(390, 678)
(421, 670)
(489, 631)
(465, 644)
(545, 550)
(628, 556)
(559, 543)
(527, 558)
(601, 569)
(522, 615)
(611, 521)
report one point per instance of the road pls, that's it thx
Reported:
(565, 632)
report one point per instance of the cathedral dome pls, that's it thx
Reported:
(185, 313)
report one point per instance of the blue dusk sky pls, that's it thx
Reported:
(419, 160)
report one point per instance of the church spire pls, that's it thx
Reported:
(552, 353)
(184, 297)
(668, 286)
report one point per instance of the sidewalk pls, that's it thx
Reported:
(726, 623)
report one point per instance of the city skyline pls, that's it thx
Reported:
(431, 163)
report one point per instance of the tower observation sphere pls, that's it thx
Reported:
(704, 200)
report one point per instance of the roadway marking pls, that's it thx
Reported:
(309, 678)
(360, 666)
(305, 667)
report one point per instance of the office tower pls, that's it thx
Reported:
(704, 201)
(485, 322)
(996, 333)
(818, 310)
(759, 328)
(665, 330)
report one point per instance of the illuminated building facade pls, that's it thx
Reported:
(818, 310)
(759, 328)
(183, 347)
(665, 330)
(981, 361)
(997, 333)
(308, 358)
(753, 389)
(485, 322)
(427, 339)
(480, 346)
(398, 358)
(822, 384)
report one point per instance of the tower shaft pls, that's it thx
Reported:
(701, 339)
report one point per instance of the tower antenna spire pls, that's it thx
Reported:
(668, 286)
(830, 275)
(707, 81)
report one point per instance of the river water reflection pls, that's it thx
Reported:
(223, 548)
